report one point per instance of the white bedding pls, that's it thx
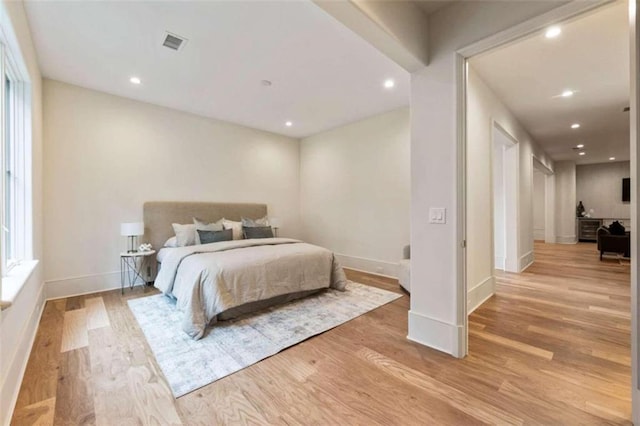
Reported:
(163, 252)
(209, 279)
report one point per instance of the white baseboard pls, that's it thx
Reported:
(539, 234)
(447, 338)
(566, 239)
(378, 267)
(87, 284)
(480, 293)
(18, 364)
(525, 261)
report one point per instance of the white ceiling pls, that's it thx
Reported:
(591, 56)
(323, 74)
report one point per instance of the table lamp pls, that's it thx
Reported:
(132, 230)
(275, 224)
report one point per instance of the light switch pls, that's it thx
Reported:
(438, 215)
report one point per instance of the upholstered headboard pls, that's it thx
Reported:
(159, 215)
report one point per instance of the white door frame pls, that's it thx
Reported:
(634, 56)
(511, 181)
(549, 199)
(536, 24)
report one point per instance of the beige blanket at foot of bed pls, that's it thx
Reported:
(209, 279)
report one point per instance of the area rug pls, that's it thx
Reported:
(230, 346)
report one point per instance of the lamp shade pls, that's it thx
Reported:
(132, 228)
(275, 222)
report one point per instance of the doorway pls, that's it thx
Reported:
(544, 182)
(505, 200)
(543, 203)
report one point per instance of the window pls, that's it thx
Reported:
(16, 167)
(6, 222)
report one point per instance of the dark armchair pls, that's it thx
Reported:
(613, 243)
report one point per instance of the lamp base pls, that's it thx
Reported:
(132, 248)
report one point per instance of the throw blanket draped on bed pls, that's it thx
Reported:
(209, 279)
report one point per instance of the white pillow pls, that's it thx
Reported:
(236, 228)
(203, 226)
(185, 234)
(171, 242)
(251, 223)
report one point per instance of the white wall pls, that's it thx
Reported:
(483, 109)
(105, 156)
(539, 211)
(19, 322)
(565, 180)
(599, 187)
(355, 191)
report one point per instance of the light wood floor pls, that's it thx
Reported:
(552, 347)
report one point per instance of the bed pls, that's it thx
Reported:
(225, 279)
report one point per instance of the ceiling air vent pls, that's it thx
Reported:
(173, 41)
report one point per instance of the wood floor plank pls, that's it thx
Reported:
(513, 344)
(75, 302)
(148, 391)
(151, 397)
(614, 312)
(109, 363)
(74, 395)
(74, 330)
(97, 316)
(379, 395)
(38, 414)
(465, 403)
(218, 405)
(41, 378)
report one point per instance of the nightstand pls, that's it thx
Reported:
(131, 267)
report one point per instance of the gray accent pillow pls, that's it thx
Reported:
(257, 232)
(203, 226)
(207, 237)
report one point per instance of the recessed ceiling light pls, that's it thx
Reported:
(582, 153)
(389, 83)
(288, 124)
(552, 32)
(575, 126)
(612, 158)
(567, 93)
(580, 146)
(135, 80)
